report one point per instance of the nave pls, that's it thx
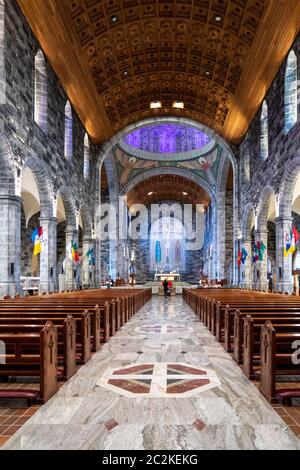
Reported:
(162, 382)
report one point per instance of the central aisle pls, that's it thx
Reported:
(163, 382)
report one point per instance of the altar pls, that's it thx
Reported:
(160, 277)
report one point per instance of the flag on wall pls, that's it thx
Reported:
(239, 258)
(244, 255)
(74, 252)
(37, 238)
(255, 256)
(90, 255)
(291, 240)
(261, 247)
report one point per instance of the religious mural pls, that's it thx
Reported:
(167, 146)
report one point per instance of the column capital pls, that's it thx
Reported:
(261, 232)
(87, 237)
(283, 219)
(71, 230)
(11, 198)
(246, 240)
(50, 218)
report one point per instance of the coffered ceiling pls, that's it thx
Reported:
(116, 56)
(167, 188)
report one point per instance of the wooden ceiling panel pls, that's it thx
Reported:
(167, 188)
(116, 56)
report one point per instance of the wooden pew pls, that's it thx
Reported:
(276, 358)
(83, 327)
(259, 318)
(252, 339)
(66, 339)
(21, 362)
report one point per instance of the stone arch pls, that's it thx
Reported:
(42, 178)
(170, 171)
(69, 205)
(86, 219)
(180, 120)
(263, 207)
(248, 215)
(292, 169)
(7, 169)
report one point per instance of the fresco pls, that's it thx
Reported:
(205, 166)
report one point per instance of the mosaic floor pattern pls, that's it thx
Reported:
(157, 389)
(161, 379)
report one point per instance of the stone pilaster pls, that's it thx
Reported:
(87, 269)
(48, 264)
(284, 281)
(10, 244)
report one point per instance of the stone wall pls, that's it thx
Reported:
(273, 178)
(282, 148)
(25, 144)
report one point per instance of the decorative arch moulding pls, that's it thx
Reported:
(117, 57)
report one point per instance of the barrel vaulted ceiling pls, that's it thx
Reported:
(116, 56)
(167, 188)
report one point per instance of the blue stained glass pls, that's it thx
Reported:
(167, 138)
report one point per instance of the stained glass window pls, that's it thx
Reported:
(290, 93)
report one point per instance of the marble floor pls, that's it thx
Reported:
(162, 382)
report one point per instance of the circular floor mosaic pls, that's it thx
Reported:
(159, 379)
(164, 329)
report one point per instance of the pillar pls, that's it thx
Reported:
(10, 245)
(48, 262)
(262, 266)
(71, 234)
(237, 270)
(88, 271)
(284, 281)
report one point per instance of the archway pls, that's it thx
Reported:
(248, 269)
(38, 227)
(178, 200)
(211, 156)
(266, 240)
(30, 221)
(67, 238)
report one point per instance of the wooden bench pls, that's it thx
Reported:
(276, 358)
(21, 361)
(66, 339)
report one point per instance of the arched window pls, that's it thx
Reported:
(246, 161)
(264, 132)
(290, 93)
(68, 132)
(86, 158)
(40, 92)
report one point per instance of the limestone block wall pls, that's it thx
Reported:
(283, 149)
(273, 178)
(25, 137)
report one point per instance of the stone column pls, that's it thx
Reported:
(247, 267)
(284, 277)
(236, 268)
(48, 264)
(262, 266)
(71, 234)
(10, 245)
(87, 269)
